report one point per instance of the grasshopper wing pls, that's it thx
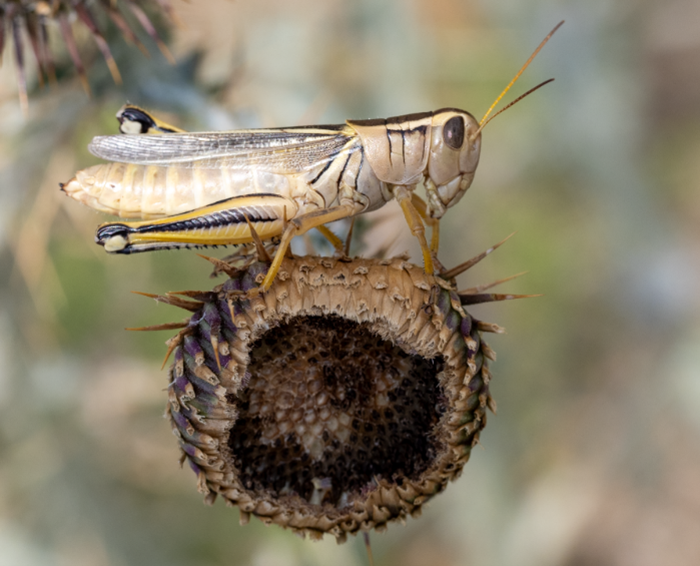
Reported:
(285, 150)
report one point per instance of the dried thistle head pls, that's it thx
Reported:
(36, 17)
(343, 398)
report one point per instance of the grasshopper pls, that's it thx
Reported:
(219, 188)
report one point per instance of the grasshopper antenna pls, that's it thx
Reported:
(481, 126)
(484, 120)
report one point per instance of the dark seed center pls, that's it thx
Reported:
(330, 408)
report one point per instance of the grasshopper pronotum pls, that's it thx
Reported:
(218, 188)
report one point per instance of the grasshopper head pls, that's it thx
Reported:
(454, 155)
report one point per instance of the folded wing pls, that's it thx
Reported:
(284, 150)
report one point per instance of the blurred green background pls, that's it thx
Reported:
(594, 455)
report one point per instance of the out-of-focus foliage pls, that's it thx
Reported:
(39, 22)
(594, 456)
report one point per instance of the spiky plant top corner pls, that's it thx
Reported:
(340, 400)
(38, 20)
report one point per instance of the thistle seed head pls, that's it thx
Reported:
(343, 398)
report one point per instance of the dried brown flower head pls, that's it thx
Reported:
(37, 17)
(342, 399)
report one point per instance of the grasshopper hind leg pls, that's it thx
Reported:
(113, 237)
(336, 242)
(301, 225)
(238, 220)
(226, 222)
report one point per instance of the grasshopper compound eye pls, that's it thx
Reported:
(453, 132)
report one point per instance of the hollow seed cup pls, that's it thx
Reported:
(343, 398)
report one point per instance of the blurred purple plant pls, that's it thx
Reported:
(35, 18)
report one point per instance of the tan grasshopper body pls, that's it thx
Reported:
(315, 168)
(218, 188)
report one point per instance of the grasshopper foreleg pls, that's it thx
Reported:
(413, 218)
(434, 223)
